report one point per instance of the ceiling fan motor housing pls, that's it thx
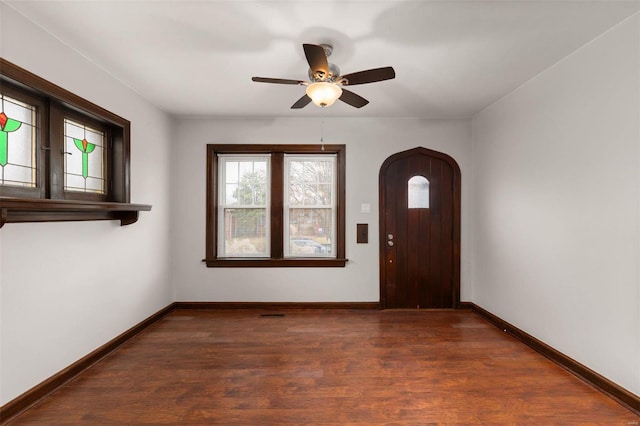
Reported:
(334, 73)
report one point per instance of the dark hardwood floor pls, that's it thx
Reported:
(325, 367)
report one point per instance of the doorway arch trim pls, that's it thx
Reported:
(457, 197)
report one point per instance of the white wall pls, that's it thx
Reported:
(67, 288)
(557, 206)
(553, 198)
(369, 142)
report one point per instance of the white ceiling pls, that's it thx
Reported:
(452, 58)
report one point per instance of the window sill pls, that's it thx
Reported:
(15, 210)
(276, 263)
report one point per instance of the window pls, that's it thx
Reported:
(20, 136)
(61, 157)
(310, 205)
(17, 119)
(418, 193)
(81, 143)
(243, 207)
(275, 205)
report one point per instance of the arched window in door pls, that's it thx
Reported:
(418, 192)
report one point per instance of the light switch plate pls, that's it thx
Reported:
(365, 208)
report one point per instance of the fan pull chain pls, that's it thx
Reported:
(322, 131)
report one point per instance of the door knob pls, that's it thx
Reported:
(390, 243)
(389, 236)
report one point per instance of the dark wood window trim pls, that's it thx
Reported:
(277, 258)
(49, 202)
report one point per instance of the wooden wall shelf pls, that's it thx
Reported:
(15, 210)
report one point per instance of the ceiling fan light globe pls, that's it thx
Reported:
(324, 94)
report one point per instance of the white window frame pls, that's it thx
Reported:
(223, 159)
(288, 158)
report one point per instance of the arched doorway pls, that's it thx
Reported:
(419, 230)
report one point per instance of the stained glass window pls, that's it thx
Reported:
(54, 145)
(84, 157)
(17, 143)
(418, 193)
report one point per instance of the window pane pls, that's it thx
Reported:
(245, 232)
(84, 158)
(232, 171)
(17, 143)
(17, 175)
(311, 233)
(311, 181)
(260, 166)
(19, 110)
(74, 182)
(231, 191)
(245, 182)
(324, 194)
(418, 193)
(94, 185)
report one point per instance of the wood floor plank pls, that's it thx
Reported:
(325, 367)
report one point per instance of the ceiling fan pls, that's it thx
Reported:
(325, 84)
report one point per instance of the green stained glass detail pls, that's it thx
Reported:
(86, 148)
(6, 125)
(84, 171)
(4, 142)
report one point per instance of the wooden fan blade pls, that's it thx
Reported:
(276, 80)
(316, 58)
(369, 76)
(353, 99)
(302, 102)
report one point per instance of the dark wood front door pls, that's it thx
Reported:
(419, 230)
